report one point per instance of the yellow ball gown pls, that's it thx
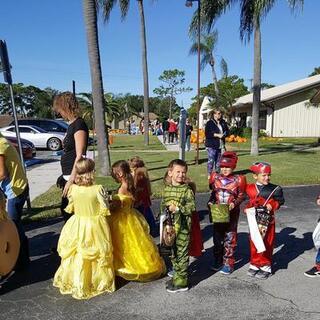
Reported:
(85, 245)
(136, 257)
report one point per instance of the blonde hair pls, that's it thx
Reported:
(67, 102)
(84, 172)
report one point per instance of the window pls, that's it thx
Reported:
(263, 119)
(12, 129)
(52, 126)
(242, 120)
(26, 130)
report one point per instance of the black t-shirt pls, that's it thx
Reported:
(189, 129)
(69, 145)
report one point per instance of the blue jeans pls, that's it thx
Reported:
(188, 145)
(15, 207)
(214, 156)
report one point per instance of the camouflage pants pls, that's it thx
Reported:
(225, 240)
(180, 260)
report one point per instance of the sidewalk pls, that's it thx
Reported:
(42, 177)
(171, 146)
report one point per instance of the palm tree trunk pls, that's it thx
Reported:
(215, 80)
(90, 18)
(256, 90)
(145, 74)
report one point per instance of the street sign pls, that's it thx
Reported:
(5, 64)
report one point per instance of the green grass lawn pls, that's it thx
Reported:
(294, 162)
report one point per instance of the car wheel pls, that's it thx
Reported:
(54, 144)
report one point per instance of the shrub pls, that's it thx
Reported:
(236, 131)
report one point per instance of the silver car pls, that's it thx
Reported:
(39, 137)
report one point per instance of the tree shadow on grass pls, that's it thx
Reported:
(122, 147)
(28, 214)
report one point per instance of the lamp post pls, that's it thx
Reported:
(189, 4)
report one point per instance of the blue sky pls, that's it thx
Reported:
(47, 45)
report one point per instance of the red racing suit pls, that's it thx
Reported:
(258, 194)
(226, 189)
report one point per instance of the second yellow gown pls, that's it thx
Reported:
(136, 256)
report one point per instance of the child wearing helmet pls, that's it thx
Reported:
(266, 198)
(228, 189)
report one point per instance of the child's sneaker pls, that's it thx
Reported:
(216, 266)
(170, 273)
(173, 289)
(263, 275)
(252, 272)
(312, 273)
(226, 270)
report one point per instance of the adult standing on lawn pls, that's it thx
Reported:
(74, 144)
(14, 185)
(165, 130)
(216, 130)
(189, 129)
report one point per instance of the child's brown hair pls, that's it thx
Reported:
(124, 167)
(140, 172)
(84, 172)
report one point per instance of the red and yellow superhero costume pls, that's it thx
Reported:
(226, 189)
(258, 194)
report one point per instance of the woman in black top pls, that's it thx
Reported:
(74, 144)
(216, 130)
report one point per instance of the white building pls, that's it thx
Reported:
(285, 110)
(204, 111)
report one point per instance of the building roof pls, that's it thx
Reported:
(281, 91)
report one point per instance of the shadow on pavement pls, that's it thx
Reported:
(292, 247)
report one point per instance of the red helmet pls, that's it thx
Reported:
(229, 159)
(261, 167)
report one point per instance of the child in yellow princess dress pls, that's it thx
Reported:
(136, 256)
(85, 245)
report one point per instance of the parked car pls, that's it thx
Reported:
(49, 125)
(39, 137)
(28, 148)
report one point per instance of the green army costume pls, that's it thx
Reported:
(183, 198)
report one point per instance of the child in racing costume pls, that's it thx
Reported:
(266, 198)
(227, 188)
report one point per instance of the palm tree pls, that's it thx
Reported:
(124, 6)
(112, 108)
(90, 18)
(208, 44)
(252, 12)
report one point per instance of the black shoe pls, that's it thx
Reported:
(216, 266)
(312, 273)
(252, 272)
(53, 250)
(263, 275)
(4, 279)
(169, 283)
(173, 289)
